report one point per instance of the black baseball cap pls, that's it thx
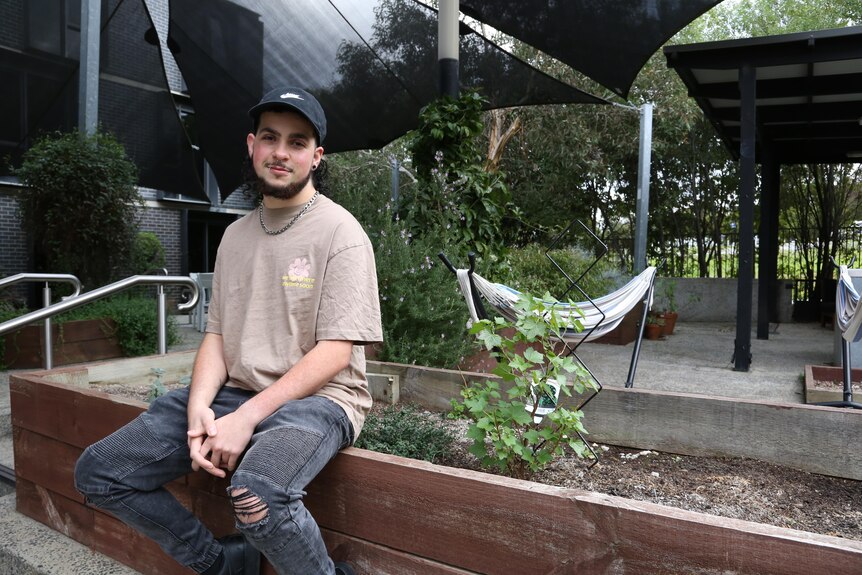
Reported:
(294, 99)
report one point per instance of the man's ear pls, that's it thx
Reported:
(249, 141)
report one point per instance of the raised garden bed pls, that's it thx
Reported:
(826, 383)
(391, 515)
(73, 342)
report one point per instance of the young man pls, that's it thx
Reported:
(279, 380)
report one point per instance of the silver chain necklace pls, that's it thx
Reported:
(291, 222)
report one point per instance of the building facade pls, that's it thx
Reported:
(143, 102)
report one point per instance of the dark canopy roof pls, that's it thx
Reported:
(607, 40)
(809, 92)
(372, 65)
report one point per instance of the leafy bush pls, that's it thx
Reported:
(424, 315)
(527, 269)
(79, 203)
(405, 432)
(136, 319)
(147, 253)
(522, 429)
(455, 198)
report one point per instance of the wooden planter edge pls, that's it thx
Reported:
(443, 518)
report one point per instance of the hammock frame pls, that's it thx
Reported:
(477, 306)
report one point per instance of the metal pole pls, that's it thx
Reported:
(88, 72)
(447, 47)
(747, 170)
(47, 346)
(163, 320)
(642, 204)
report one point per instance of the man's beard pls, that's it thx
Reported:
(281, 192)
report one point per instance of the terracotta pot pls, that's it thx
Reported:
(669, 322)
(653, 330)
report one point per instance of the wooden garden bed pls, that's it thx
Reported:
(826, 383)
(73, 342)
(396, 516)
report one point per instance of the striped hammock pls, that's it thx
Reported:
(848, 312)
(600, 316)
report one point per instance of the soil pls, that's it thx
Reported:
(829, 385)
(738, 488)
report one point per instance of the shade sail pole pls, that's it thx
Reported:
(88, 72)
(745, 281)
(447, 48)
(642, 203)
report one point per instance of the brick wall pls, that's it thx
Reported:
(13, 256)
(165, 223)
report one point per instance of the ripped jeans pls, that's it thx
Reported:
(125, 472)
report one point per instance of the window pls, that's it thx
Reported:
(54, 26)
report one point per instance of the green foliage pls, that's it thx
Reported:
(528, 269)
(406, 432)
(157, 387)
(147, 253)
(455, 198)
(505, 431)
(424, 317)
(667, 289)
(79, 202)
(136, 319)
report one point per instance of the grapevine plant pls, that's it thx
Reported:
(518, 425)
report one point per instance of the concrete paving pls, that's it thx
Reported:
(696, 359)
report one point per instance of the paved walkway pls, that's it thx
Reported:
(697, 358)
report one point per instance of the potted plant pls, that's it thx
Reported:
(654, 328)
(669, 313)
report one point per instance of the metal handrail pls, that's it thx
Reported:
(47, 351)
(132, 281)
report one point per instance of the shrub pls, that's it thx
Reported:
(136, 319)
(406, 432)
(424, 315)
(148, 254)
(520, 430)
(455, 198)
(79, 205)
(528, 269)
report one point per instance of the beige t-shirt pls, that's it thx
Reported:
(275, 297)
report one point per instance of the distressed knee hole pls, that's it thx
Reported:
(248, 507)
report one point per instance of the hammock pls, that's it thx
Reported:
(848, 317)
(848, 312)
(600, 316)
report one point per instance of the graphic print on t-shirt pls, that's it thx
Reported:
(298, 275)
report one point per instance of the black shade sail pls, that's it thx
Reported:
(808, 105)
(607, 40)
(39, 89)
(371, 63)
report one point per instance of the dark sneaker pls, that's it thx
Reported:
(241, 558)
(344, 569)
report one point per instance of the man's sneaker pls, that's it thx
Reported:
(241, 558)
(344, 569)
